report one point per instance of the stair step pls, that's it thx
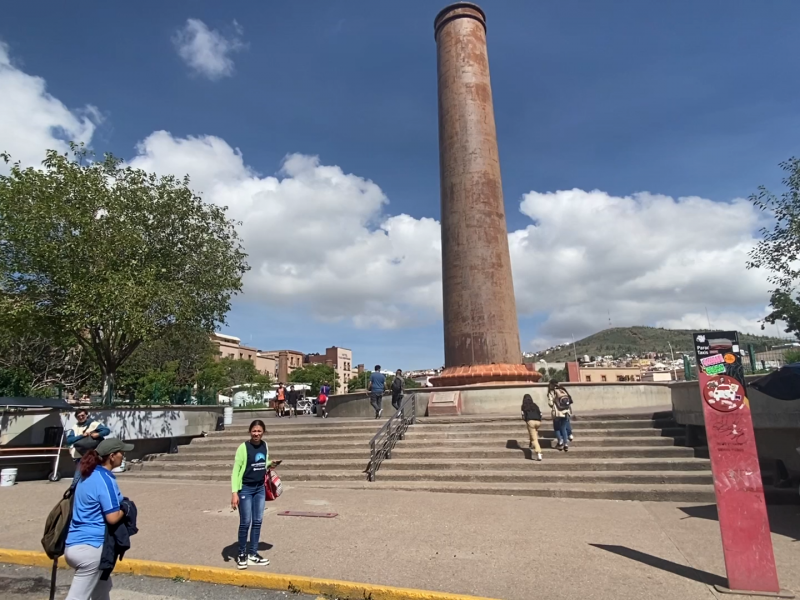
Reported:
(652, 442)
(532, 475)
(225, 462)
(698, 494)
(648, 493)
(546, 429)
(578, 450)
(326, 446)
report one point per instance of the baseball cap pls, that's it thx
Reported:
(111, 445)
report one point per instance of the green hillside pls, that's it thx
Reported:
(619, 341)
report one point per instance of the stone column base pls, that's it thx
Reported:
(485, 374)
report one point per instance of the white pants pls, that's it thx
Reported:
(86, 584)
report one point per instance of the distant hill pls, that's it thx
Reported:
(619, 341)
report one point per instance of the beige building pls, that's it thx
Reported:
(285, 361)
(658, 375)
(341, 359)
(229, 346)
(609, 374)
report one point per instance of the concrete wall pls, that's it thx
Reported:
(152, 430)
(776, 422)
(507, 399)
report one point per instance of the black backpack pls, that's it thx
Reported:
(397, 385)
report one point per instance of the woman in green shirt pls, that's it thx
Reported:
(249, 494)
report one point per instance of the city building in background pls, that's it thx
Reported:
(341, 359)
(286, 361)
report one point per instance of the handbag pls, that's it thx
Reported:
(272, 485)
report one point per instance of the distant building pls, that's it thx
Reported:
(602, 374)
(341, 359)
(286, 361)
(658, 375)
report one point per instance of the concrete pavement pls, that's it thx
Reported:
(33, 583)
(495, 546)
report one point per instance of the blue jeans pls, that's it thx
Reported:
(560, 424)
(569, 426)
(251, 512)
(77, 476)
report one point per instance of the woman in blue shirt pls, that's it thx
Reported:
(97, 503)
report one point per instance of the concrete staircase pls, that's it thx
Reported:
(623, 457)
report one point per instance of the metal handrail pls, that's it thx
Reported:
(394, 430)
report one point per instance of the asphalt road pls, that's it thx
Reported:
(32, 583)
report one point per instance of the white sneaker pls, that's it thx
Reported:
(539, 456)
(571, 437)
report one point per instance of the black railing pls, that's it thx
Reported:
(392, 431)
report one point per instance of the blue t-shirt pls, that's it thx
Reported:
(95, 497)
(378, 381)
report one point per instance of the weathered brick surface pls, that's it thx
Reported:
(480, 315)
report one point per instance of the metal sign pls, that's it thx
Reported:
(743, 521)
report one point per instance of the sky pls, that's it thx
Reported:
(630, 136)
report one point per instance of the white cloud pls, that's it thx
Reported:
(32, 121)
(207, 51)
(645, 259)
(323, 239)
(315, 235)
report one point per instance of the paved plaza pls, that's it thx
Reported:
(33, 583)
(507, 547)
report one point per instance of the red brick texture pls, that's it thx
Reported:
(482, 374)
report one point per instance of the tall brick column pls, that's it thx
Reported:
(480, 313)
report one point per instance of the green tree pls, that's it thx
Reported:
(112, 255)
(779, 249)
(182, 350)
(359, 382)
(792, 356)
(314, 375)
(226, 373)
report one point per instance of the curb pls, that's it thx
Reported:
(344, 590)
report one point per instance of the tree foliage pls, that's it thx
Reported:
(32, 363)
(779, 249)
(112, 255)
(315, 375)
(360, 382)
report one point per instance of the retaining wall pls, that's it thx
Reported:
(507, 399)
(151, 430)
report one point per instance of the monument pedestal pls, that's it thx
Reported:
(485, 374)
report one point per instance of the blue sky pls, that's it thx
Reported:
(677, 99)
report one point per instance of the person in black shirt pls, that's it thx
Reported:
(291, 398)
(533, 419)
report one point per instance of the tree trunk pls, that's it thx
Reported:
(109, 387)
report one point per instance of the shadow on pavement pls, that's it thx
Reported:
(514, 445)
(665, 565)
(39, 586)
(230, 553)
(783, 520)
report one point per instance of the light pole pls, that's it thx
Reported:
(674, 370)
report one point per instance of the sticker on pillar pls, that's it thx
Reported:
(724, 393)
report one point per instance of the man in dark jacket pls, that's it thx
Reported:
(118, 538)
(398, 388)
